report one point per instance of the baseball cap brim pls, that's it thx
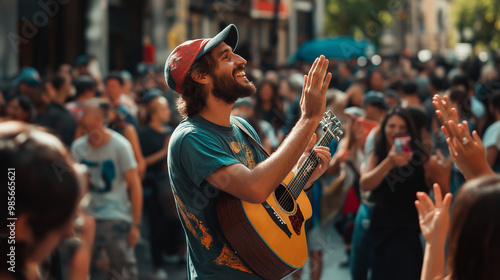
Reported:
(228, 35)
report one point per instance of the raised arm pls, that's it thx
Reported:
(434, 220)
(257, 184)
(467, 152)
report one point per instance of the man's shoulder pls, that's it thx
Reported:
(189, 128)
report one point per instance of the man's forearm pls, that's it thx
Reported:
(255, 185)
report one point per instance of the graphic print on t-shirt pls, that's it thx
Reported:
(196, 227)
(102, 175)
(243, 153)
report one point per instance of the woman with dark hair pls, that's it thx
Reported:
(165, 229)
(394, 177)
(473, 235)
(375, 80)
(20, 108)
(44, 188)
(269, 106)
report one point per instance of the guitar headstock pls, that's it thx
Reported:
(330, 123)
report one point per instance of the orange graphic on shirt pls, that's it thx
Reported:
(228, 258)
(243, 153)
(190, 219)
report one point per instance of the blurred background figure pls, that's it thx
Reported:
(116, 191)
(20, 108)
(46, 204)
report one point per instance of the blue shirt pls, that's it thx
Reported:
(197, 148)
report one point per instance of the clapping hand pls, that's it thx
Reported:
(445, 113)
(434, 219)
(467, 152)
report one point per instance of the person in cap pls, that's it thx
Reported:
(375, 106)
(208, 154)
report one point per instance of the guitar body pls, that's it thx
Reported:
(268, 237)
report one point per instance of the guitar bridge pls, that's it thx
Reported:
(277, 218)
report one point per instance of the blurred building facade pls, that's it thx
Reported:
(123, 33)
(415, 25)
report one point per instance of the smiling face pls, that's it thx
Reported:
(229, 82)
(395, 124)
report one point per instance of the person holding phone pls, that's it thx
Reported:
(397, 169)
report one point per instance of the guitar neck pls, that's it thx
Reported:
(307, 168)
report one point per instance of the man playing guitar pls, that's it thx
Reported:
(208, 154)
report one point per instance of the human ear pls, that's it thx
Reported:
(200, 78)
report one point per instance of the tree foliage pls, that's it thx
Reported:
(482, 16)
(362, 18)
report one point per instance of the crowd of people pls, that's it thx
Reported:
(116, 129)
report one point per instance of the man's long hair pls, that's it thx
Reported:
(194, 96)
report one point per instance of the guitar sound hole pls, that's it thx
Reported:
(284, 199)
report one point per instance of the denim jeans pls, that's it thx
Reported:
(111, 236)
(361, 251)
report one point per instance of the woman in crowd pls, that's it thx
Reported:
(159, 205)
(394, 178)
(269, 106)
(473, 244)
(46, 187)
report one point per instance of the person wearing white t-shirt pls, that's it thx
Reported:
(491, 137)
(115, 191)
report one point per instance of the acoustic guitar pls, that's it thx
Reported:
(270, 237)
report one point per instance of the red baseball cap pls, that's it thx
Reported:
(182, 57)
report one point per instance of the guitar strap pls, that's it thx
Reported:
(249, 136)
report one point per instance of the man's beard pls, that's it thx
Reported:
(227, 89)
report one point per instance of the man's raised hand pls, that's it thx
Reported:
(313, 99)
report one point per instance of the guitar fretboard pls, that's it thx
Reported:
(307, 168)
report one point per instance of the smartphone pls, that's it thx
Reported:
(402, 142)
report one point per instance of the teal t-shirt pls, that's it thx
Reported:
(197, 148)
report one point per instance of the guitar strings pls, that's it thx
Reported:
(295, 185)
(301, 180)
